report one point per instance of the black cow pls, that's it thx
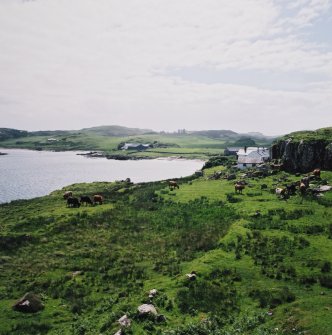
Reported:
(291, 189)
(73, 202)
(86, 199)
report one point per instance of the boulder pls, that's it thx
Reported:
(146, 309)
(124, 321)
(29, 303)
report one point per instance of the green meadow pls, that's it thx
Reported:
(267, 273)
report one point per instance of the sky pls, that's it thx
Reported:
(244, 65)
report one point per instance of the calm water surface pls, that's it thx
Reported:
(26, 174)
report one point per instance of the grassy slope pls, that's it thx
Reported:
(146, 236)
(319, 134)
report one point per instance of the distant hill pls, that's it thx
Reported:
(224, 134)
(7, 133)
(120, 131)
(117, 131)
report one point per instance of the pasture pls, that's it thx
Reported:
(93, 264)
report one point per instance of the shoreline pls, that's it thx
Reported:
(101, 171)
(119, 157)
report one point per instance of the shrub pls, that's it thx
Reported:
(326, 267)
(326, 281)
(232, 199)
(205, 296)
(273, 297)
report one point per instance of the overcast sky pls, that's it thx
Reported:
(245, 65)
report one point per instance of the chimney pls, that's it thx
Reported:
(245, 149)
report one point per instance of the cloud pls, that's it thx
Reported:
(71, 64)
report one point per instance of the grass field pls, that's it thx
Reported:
(146, 236)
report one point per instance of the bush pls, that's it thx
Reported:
(206, 296)
(232, 199)
(326, 267)
(326, 281)
(273, 297)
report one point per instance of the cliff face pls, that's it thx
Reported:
(303, 156)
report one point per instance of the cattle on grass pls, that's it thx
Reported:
(239, 188)
(316, 173)
(97, 198)
(84, 199)
(281, 192)
(73, 202)
(172, 184)
(67, 194)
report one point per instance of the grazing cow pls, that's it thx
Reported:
(73, 202)
(86, 199)
(172, 184)
(239, 188)
(67, 194)
(281, 192)
(316, 173)
(305, 181)
(291, 189)
(97, 198)
(303, 188)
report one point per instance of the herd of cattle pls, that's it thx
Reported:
(283, 192)
(84, 199)
(290, 189)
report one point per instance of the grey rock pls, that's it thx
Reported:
(147, 309)
(124, 321)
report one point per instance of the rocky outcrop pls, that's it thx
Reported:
(303, 156)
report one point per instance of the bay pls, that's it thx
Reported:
(26, 174)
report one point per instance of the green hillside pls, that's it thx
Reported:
(92, 265)
(108, 140)
(324, 134)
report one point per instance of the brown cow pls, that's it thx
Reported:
(67, 194)
(316, 173)
(239, 188)
(172, 184)
(303, 188)
(282, 192)
(97, 198)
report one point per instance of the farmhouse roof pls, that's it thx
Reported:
(249, 160)
(257, 151)
(233, 148)
(126, 146)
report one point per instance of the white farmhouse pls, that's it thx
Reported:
(252, 156)
(135, 146)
